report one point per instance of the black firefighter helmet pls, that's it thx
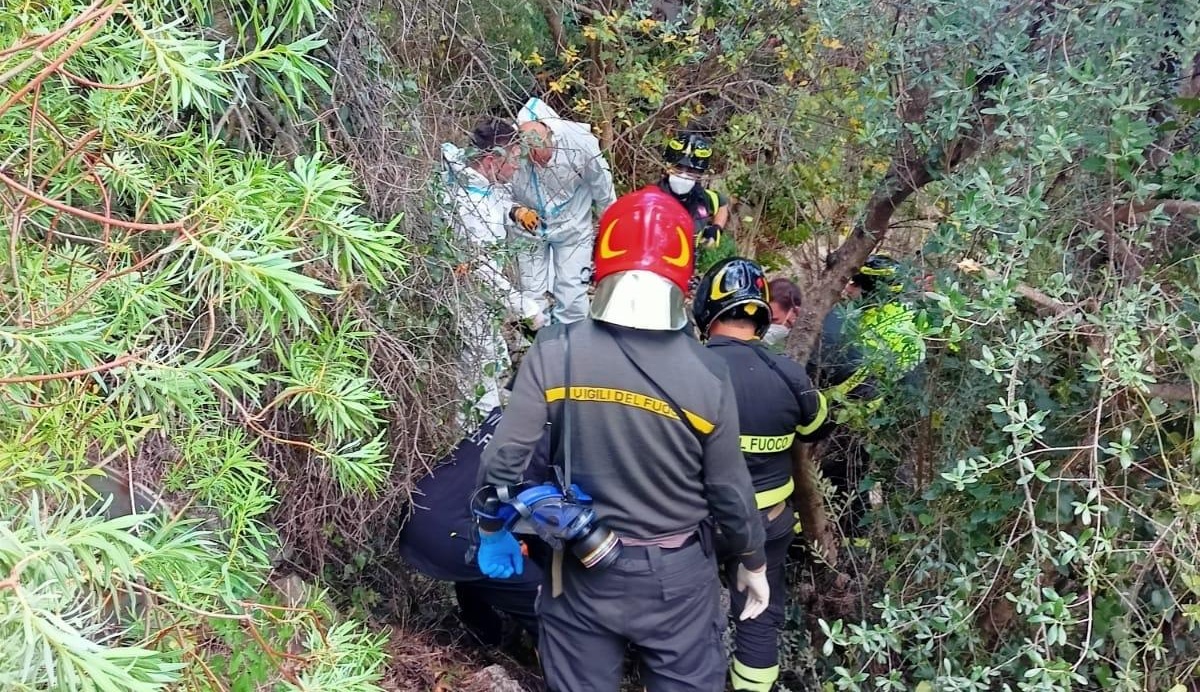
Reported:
(879, 272)
(688, 150)
(733, 288)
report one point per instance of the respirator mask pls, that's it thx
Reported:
(564, 521)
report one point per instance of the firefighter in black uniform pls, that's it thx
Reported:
(777, 404)
(436, 540)
(687, 156)
(856, 362)
(647, 419)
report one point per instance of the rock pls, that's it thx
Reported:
(494, 678)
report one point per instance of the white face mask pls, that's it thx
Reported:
(776, 333)
(679, 184)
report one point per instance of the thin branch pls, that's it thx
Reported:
(1167, 391)
(18, 69)
(1175, 208)
(90, 216)
(970, 266)
(1133, 213)
(47, 39)
(100, 21)
(75, 149)
(26, 379)
(75, 302)
(84, 81)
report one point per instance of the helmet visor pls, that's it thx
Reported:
(639, 299)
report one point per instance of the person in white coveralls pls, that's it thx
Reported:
(479, 205)
(567, 181)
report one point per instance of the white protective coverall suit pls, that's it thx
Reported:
(478, 209)
(566, 192)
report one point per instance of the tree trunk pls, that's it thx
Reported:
(551, 11)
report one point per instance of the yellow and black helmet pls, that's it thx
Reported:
(735, 288)
(688, 150)
(880, 272)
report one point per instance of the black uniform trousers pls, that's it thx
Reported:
(756, 644)
(846, 463)
(666, 603)
(480, 602)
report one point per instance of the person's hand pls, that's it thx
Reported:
(526, 218)
(759, 592)
(710, 236)
(537, 321)
(499, 554)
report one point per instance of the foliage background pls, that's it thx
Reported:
(224, 290)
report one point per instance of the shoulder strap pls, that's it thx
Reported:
(564, 440)
(679, 412)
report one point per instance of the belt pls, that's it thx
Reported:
(642, 552)
(772, 497)
(775, 510)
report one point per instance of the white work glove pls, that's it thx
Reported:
(760, 591)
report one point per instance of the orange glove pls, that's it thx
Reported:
(526, 218)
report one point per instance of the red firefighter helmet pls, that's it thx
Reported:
(643, 261)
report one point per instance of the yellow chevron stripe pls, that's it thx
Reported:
(608, 395)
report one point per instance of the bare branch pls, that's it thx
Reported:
(84, 214)
(970, 266)
(1173, 391)
(554, 21)
(27, 379)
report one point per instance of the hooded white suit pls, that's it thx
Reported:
(573, 186)
(478, 210)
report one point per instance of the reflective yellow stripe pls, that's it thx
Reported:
(766, 444)
(715, 199)
(890, 332)
(847, 385)
(625, 397)
(818, 419)
(855, 412)
(770, 498)
(752, 679)
(883, 271)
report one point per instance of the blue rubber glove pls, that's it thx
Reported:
(500, 555)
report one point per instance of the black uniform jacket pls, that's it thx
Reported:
(777, 404)
(437, 535)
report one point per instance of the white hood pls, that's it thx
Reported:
(536, 109)
(454, 157)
